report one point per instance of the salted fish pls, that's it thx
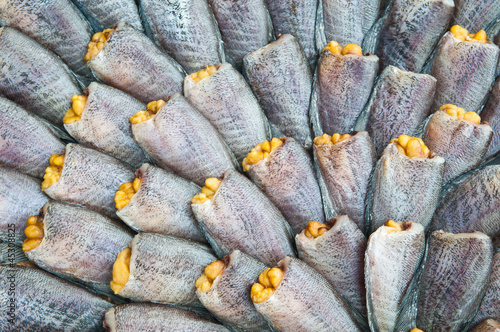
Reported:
(491, 115)
(475, 15)
(106, 13)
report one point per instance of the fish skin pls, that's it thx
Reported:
(186, 30)
(180, 138)
(339, 255)
(401, 101)
(454, 280)
(229, 298)
(131, 62)
(461, 143)
(229, 222)
(90, 178)
(281, 78)
(162, 205)
(476, 15)
(464, 71)
(491, 115)
(411, 30)
(26, 143)
(104, 124)
(391, 262)
(11, 254)
(488, 325)
(245, 26)
(305, 301)
(227, 101)
(79, 244)
(47, 303)
(57, 25)
(287, 177)
(345, 168)
(402, 188)
(164, 268)
(134, 317)
(20, 198)
(343, 87)
(472, 205)
(104, 14)
(35, 78)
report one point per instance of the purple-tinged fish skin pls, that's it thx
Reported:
(162, 205)
(164, 268)
(461, 143)
(281, 78)
(58, 25)
(491, 115)
(338, 255)
(26, 143)
(227, 101)
(472, 205)
(392, 259)
(20, 198)
(305, 301)
(230, 222)
(345, 168)
(454, 280)
(464, 71)
(90, 178)
(180, 138)
(475, 15)
(79, 244)
(131, 62)
(106, 13)
(45, 302)
(342, 89)
(34, 77)
(229, 296)
(186, 30)
(104, 123)
(134, 317)
(400, 102)
(404, 188)
(488, 325)
(287, 177)
(411, 30)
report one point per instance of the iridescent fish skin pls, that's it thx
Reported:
(34, 77)
(464, 71)
(79, 244)
(287, 177)
(162, 205)
(186, 30)
(180, 138)
(58, 25)
(106, 13)
(488, 325)
(491, 115)
(475, 15)
(131, 62)
(411, 30)
(26, 143)
(281, 78)
(134, 317)
(47, 303)
(454, 280)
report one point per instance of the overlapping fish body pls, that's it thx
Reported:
(104, 14)
(491, 115)
(34, 77)
(475, 15)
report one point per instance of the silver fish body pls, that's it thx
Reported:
(164, 269)
(287, 177)
(454, 280)
(162, 205)
(131, 62)
(464, 71)
(186, 30)
(134, 317)
(47, 303)
(391, 263)
(475, 15)
(281, 78)
(104, 123)
(227, 101)
(34, 77)
(491, 115)
(229, 297)
(180, 138)
(90, 178)
(79, 244)
(104, 14)
(488, 325)
(230, 222)
(26, 143)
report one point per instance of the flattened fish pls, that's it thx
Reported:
(104, 14)
(491, 115)
(475, 15)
